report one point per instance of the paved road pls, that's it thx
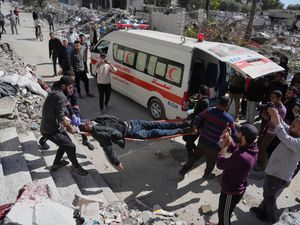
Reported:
(150, 167)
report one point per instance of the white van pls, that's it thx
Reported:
(161, 71)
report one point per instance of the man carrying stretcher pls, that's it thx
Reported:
(109, 129)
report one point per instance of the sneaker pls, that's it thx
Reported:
(90, 95)
(209, 176)
(89, 145)
(43, 145)
(79, 170)
(61, 164)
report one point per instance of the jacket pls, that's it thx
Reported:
(108, 130)
(54, 46)
(256, 90)
(237, 85)
(77, 60)
(64, 58)
(237, 167)
(54, 109)
(200, 106)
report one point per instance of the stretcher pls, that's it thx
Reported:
(152, 139)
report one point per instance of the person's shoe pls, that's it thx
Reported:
(181, 173)
(90, 95)
(43, 145)
(89, 145)
(79, 170)
(61, 164)
(80, 96)
(209, 176)
(259, 213)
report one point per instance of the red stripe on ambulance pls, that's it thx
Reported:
(149, 87)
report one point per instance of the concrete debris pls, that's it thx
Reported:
(289, 218)
(107, 22)
(275, 33)
(28, 89)
(205, 209)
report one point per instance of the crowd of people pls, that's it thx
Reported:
(273, 146)
(235, 149)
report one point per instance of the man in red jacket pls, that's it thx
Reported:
(235, 168)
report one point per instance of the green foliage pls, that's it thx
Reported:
(191, 31)
(215, 4)
(230, 6)
(272, 4)
(294, 7)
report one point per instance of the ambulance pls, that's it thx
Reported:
(161, 71)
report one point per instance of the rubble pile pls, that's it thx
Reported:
(274, 33)
(34, 205)
(118, 213)
(107, 22)
(21, 91)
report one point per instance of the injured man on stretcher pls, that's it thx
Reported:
(108, 129)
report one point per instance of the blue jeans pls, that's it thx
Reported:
(151, 129)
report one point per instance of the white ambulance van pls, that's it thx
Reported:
(161, 71)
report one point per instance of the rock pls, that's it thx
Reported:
(205, 209)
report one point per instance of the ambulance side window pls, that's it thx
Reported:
(141, 61)
(102, 47)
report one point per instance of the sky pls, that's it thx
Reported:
(287, 2)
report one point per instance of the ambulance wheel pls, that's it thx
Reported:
(157, 109)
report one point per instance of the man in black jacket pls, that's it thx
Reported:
(255, 93)
(54, 48)
(53, 123)
(64, 59)
(109, 129)
(201, 105)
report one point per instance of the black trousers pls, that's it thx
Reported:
(37, 28)
(82, 76)
(104, 89)
(51, 27)
(2, 27)
(54, 61)
(227, 204)
(65, 145)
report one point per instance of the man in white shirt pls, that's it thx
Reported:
(72, 36)
(281, 166)
(103, 80)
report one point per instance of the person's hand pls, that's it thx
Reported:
(275, 118)
(71, 129)
(296, 111)
(119, 167)
(226, 138)
(75, 120)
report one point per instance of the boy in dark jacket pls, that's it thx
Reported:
(236, 168)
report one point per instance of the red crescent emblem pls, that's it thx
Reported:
(170, 73)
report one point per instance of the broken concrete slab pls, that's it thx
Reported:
(7, 106)
(36, 163)
(14, 165)
(48, 212)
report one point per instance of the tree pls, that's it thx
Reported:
(272, 4)
(294, 7)
(251, 19)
